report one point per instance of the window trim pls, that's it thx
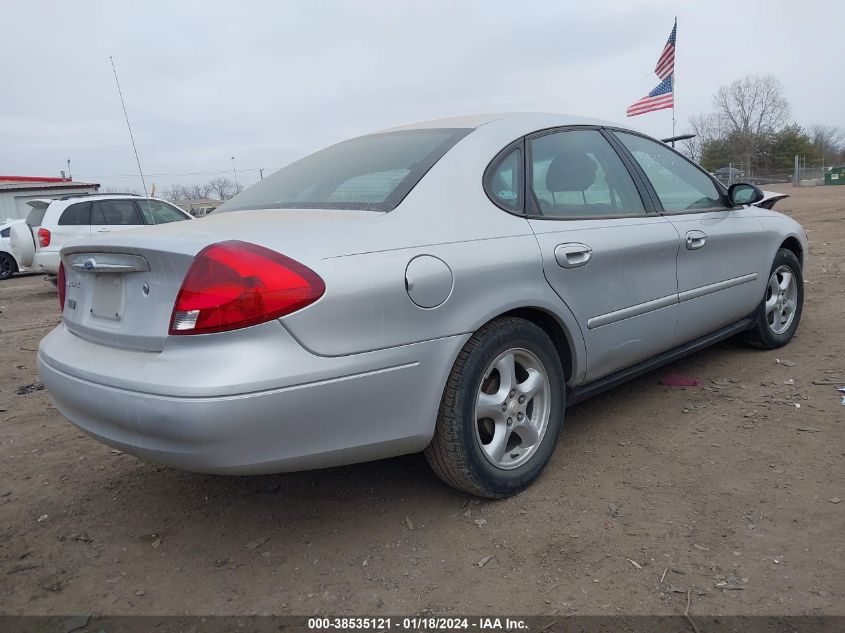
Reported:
(535, 213)
(653, 192)
(494, 165)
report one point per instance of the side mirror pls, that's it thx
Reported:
(743, 193)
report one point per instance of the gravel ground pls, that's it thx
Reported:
(728, 490)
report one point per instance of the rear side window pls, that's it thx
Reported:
(78, 214)
(157, 212)
(5, 232)
(372, 173)
(115, 213)
(504, 181)
(680, 185)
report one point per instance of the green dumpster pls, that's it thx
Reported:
(835, 175)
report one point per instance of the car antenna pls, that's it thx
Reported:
(131, 136)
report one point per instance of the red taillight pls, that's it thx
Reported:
(43, 237)
(61, 286)
(234, 284)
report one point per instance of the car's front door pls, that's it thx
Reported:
(606, 254)
(722, 267)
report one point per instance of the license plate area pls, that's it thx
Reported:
(107, 297)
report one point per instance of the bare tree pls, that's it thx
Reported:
(180, 193)
(828, 141)
(223, 188)
(750, 110)
(175, 193)
(708, 129)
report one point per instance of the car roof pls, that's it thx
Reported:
(71, 199)
(530, 120)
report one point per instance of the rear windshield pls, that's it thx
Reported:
(36, 216)
(372, 173)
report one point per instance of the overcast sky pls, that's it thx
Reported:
(269, 82)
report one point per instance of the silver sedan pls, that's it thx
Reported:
(447, 287)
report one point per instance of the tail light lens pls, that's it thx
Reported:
(61, 286)
(235, 284)
(43, 237)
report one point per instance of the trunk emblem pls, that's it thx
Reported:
(89, 263)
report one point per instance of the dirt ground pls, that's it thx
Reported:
(652, 491)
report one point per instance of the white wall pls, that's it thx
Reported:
(13, 203)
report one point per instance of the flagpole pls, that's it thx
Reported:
(673, 109)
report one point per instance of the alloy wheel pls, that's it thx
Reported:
(781, 299)
(512, 408)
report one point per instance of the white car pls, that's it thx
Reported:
(51, 224)
(8, 263)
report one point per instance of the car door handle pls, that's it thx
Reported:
(572, 255)
(103, 230)
(696, 239)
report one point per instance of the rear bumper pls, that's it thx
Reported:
(210, 411)
(46, 262)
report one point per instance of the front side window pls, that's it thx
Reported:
(372, 173)
(576, 173)
(115, 213)
(504, 181)
(78, 214)
(158, 212)
(679, 184)
(6, 232)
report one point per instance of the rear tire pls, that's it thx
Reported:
(780, 310)
(8, 266)
(502, 453)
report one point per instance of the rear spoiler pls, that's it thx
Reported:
(671, 140)
(39, 203)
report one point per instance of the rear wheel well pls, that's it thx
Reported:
(552, 327)
(792, 244)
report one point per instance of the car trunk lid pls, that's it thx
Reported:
(121, 288)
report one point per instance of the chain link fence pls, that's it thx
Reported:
(803, 171)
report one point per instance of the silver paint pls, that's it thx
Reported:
(298, 392)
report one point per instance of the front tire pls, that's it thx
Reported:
(501, 412)
(782, 305)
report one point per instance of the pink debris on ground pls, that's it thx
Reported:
(678, 380)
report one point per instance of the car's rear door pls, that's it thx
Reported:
(114, 215)
(605, 251)
(722, 267)
(74, 221)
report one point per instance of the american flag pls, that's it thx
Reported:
(658, 99)
(666, 63)
(663, 95)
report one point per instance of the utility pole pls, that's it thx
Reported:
(235, 173)
(69, 174)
